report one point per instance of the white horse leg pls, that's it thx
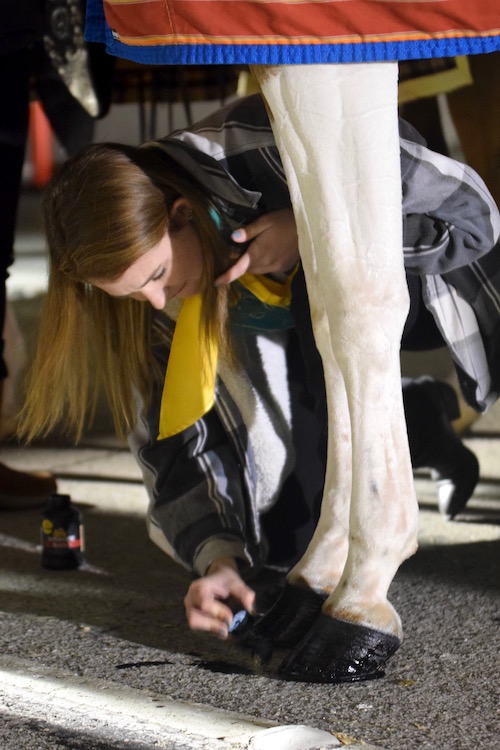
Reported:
(336, 128)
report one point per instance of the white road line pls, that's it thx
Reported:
(94, 707)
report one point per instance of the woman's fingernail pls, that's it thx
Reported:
(238, 234)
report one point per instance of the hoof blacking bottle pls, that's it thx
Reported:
(62, 534)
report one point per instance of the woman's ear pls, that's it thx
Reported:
(182, 212)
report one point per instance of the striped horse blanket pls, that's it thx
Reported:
(281, 32)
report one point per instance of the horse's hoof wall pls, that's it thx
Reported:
(290, 617)
(282, 626)
(339, 651)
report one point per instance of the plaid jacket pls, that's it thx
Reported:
(206, 485)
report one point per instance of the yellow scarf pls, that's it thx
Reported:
(189, 387)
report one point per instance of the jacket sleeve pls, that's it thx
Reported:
(199, 508)
(449, 217)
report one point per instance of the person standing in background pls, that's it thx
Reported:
(41, 48)
(21, 29)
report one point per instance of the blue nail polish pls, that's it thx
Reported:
(238, 620)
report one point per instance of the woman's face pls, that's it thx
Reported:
(172, 268)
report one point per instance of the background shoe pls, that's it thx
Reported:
(20, 490)
(454, 467)
(430, 408)
(456, 482)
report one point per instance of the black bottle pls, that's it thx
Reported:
(62, 534)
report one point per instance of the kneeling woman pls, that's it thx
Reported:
(217, 383)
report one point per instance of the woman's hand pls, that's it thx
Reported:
(204, 601)
(274, 246)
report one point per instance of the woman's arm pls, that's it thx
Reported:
(449, 217)
(198, 516)
(199, 506)
(450, 220)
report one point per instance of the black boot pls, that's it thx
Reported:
(430, 406)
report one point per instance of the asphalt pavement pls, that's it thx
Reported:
(115, 629)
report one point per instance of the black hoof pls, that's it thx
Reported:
(338, 651)
(290, 617)
(283, 625)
